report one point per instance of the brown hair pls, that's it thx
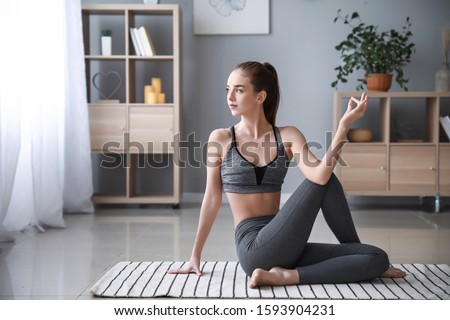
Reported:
(264, 77)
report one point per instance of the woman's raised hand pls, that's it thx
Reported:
(355, 109)
(193, 266)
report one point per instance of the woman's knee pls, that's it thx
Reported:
(380, 261)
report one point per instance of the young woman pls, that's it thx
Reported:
(249, 162)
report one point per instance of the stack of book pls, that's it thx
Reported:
(445, 122)
(142, 42)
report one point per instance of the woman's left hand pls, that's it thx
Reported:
(355, 110)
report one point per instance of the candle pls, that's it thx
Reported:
(152, 98)
(156, 84)
(147, 91)
(161, 98)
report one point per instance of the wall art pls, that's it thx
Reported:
(231, 17)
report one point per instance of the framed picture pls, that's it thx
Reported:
(231, 17)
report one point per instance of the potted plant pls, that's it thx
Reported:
(374, 52)
(106, 42)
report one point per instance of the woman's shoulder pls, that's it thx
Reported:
(289, 130)
(219, 141)
(221, 135)
(291, 134)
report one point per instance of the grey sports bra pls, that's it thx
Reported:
(240, 176)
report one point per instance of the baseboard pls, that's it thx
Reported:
(197, 197)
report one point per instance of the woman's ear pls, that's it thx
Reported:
(262, 95)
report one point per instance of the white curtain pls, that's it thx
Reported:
(45, 164)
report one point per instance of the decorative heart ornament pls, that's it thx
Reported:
(111, 76)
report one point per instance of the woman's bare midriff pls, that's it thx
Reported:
(245, 206)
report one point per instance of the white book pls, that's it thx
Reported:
(147, 42)
(445, 122)
(139, 41)
(135, 42)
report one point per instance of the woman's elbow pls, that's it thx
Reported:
(212, 201)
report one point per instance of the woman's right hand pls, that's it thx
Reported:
(193, 266)
(355, 110)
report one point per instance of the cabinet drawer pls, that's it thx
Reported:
(363, 168)
(413, 169)
(107, 127)
(444, 170)
(151, 130)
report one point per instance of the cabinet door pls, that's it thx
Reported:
(151, 130)
(107, 127)
(413, 169)
(363, 168)
(444, 170)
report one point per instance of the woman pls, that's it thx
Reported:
(249, 162)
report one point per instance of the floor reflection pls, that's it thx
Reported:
(150, 226)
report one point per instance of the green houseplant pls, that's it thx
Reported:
(106, 33)
(373, 51)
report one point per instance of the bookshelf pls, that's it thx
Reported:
(409, 154)
(135, 153)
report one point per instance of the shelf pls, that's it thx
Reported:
(395, 94)
(143, 105)
(409, 155)
(365, 144)
(107, 104)
(132, 131)
(101, 57)
(412, 143)
(157, 57)
(159, 9)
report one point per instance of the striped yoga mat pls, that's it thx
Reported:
(227, 280)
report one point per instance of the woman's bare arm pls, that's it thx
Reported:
(319, 171)
(211, 203)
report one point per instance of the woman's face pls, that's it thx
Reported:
(240, 95)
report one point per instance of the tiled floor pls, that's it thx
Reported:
(64, 263)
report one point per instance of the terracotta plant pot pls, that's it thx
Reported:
(378, 81)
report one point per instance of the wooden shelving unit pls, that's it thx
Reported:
(409, 154)
(135, 152)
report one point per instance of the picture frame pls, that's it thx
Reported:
(225, 17)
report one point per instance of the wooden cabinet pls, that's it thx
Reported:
(364, 168)
(413, 170)
(107, 127)
(156, 122)
(134, 147)
(444, 169)
(409, 154)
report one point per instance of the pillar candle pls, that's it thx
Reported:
(161, 98)
(147, 91)
(156, 84)
(152, 98)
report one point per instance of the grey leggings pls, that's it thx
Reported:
(282, 240)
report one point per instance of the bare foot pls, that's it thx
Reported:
(274, 277)
(393, 272)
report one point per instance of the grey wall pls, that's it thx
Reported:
(301, 46)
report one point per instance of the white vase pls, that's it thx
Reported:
(106, 46)
(442, 79)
